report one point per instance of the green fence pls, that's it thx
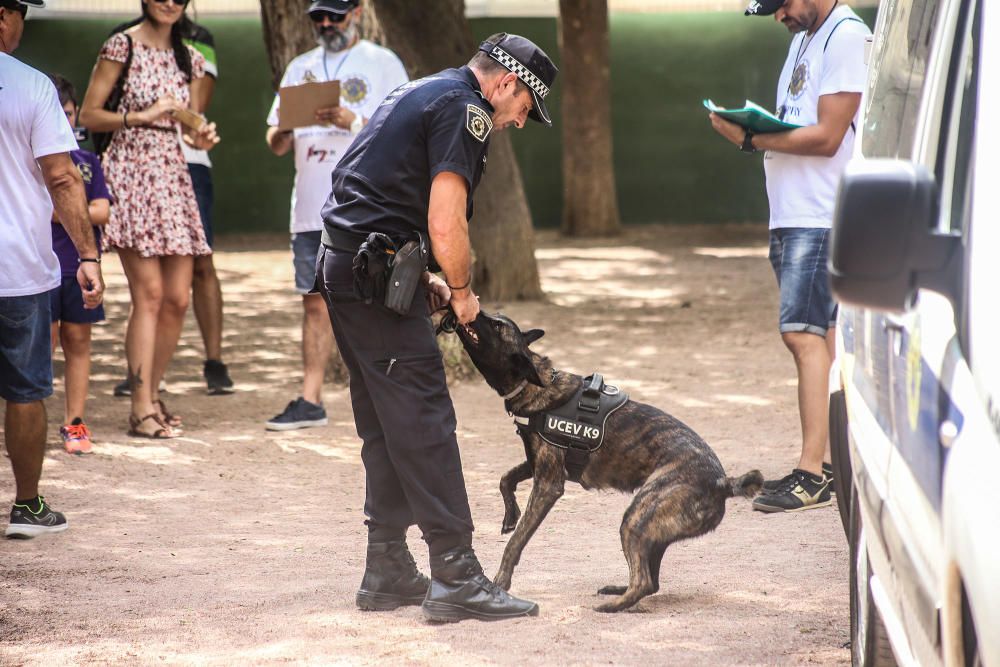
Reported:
(670, 165)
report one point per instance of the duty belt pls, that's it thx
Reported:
(578, 424)
(341, 239)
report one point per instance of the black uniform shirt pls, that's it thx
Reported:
(383, 182)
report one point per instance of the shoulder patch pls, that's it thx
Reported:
(478, 122)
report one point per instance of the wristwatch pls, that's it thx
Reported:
(747, 146)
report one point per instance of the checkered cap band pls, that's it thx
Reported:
(522, 72)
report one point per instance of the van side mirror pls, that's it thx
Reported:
(883, 245)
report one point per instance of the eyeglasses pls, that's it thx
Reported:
(179, 3)
(318, 16)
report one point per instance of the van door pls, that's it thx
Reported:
(927, 352)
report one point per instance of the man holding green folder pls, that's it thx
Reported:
(819, 90)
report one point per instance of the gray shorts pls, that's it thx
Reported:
(305, 248)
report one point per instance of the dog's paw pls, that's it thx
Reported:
(616, 606)
(510, 519)
(612, 590)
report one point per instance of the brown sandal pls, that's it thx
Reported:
(162, 432)
(173, 421)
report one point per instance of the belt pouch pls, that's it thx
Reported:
(371, 266)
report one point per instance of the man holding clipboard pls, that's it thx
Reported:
(820, 90)
(363, 74)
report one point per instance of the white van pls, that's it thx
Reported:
(915, 403)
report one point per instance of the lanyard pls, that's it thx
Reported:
(343, 60)
(803, 49)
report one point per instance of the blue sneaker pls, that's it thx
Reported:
(300, 413)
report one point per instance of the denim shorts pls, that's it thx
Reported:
(204, 194)
(25, 348)
(305, 248)
(66, 303)
(798, 256)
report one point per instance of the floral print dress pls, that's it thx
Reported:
(155, 211)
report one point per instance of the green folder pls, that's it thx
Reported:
(752, 116)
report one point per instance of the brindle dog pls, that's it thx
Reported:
(680, 486)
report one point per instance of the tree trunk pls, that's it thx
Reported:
(590, 201)
(501, 230)
(287, 33)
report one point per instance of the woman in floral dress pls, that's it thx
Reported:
(155, 226)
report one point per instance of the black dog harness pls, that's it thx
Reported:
(578, 424)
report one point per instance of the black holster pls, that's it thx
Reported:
(405, 269)
(389, 275)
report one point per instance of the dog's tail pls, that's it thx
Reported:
(748, 485)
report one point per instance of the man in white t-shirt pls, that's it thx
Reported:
(367, 73)
(37, 174)
(820, 89)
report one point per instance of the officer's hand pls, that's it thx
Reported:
(465, 304)
(731, 131)
(438, 292)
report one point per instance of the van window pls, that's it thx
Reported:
(955, 156)
(899, 73)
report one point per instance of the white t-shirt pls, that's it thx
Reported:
(802, 190)
(367, 73)
(32, 125)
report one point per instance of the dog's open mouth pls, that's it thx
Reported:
(467, 333)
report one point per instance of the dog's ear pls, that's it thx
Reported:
(525, 367)
(532, 335)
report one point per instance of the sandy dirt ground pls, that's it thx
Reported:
(232, 545)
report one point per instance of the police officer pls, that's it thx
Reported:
(413, 169)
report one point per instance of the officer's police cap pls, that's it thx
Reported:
(332, 6)
(763, 7)
(522, 57)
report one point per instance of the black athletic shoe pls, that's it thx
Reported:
(27, 521)
(391, 578)
(459, 590)
(300, 413)
(800, 491)
(772, 484)
(217, 378)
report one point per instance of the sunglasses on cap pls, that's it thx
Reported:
(179, 3)
(318, 16)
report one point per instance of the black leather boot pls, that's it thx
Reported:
(391, 578)
(459, 590)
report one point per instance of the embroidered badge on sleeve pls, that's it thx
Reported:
(478, 122)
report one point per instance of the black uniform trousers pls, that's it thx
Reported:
(402, 410)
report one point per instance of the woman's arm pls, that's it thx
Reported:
(93, 115)
(96, 118)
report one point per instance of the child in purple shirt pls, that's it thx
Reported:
(71, 322)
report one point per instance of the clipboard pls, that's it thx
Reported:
(297, 105)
